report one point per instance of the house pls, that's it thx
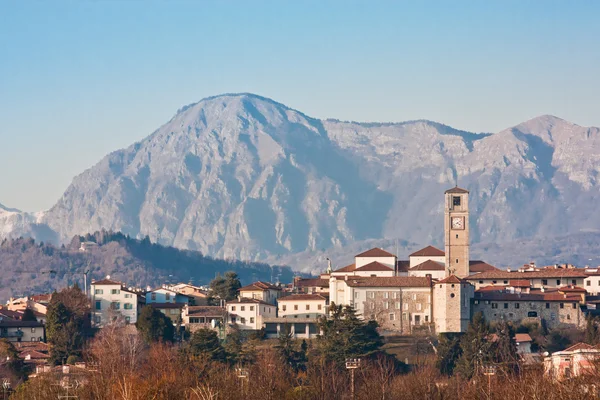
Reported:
(248, 313)
(592, 282)
(263, 291)
(538, 278)
(311, 285)
(87, 246)
(198, 296)
(112, 298)
(523, 341)
(577, 360)
(199, 317)
(302, 305)
(38, 303)
(166, 295)
(22, 331)
(171, 310)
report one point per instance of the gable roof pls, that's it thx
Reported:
(480, 266)
(452, 279)
(374, 266)
(246, 300)
(519, 283)
(106, 282)
(456, 189)
(429, 265)
(388, 281)
(259, 285)
(302, 297)
(522, 337)
(375, 252)
(579, 346)
(312, 282)
(428, 251)
(572, 289)
(347, 268)
(205, 310)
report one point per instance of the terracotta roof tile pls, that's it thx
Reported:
(519, 283)
(550, 273)
(375, 252)
(532, 296)
(572, 289)
(247, 300)
(480, 266)
(205, 310)
(302, 297)
(347, 268)
(428, 251)
(317, 282)
(452, 279)
(390, 281)
(374, 266)
(579, 346)
(429, 265)
(260, 286)
(522, 337)
(107, 282)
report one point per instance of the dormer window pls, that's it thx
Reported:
(456, 201)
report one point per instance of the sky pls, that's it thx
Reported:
(79, 79)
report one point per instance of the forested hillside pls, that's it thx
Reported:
(32, 267)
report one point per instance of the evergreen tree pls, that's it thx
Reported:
(287, 348)
(346, 336)
(28, 315)
(224, 287)
(67, 320)
(448, 353)
(505, 349)
(475, 348)
(12, 366)
(205, 342)
(592, 334)
(154, 326)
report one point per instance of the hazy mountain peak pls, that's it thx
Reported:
(11, 210)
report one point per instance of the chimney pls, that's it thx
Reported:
(345, 277)
(507, 269)
(542, 289)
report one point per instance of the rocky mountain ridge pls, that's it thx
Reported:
(241, 176)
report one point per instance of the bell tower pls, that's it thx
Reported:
(456, 231)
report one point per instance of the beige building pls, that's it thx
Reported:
(456, 231)
(22, 331)
(200, 317)
(198, 296)
(302, 306)
(263, 291)
(545, 277)
(577, 360)
(248, 313)
(452, 304)
(112, 298)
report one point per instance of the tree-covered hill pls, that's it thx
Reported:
(25, 264)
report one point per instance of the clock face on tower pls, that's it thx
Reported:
(458, 223)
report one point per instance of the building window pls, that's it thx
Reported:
(283, 307)
(405, 306)
(532, 314)
(456, 200)
(391, 317)
(588, 283)
(98, 305)
(547, 305)
(395, 295)
(128, 319)
(243, 321)
(167, 296)
(153, 296)
(505, 282)
(494, 305)
(32, 330)
(558, 281)
(386, 305)
(308, 306)
(575, 305)
(319, 307)
(251, 320)
(418, 306)
(127, 306)
(494, 282)
(505, 305)
(128, 295)
(233, 320)
(115, 305)
(414, 296)
(251, 308)
(97, 319)
(457, 260)
(386, 295)
(457, 235)
(568, 316)
(397, 305)
(295, 307)
(517, 305)
(481, 282)
(404, 316)
(174, 311)
(545, 282)
(242, 308)
(452, 295)
(574, 282)
(372, 306)
(99, 291)
(562, 305)
(476, 302)
(115, 291)
(427, 318)
(233, 308)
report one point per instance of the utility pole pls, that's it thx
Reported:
(352, 364)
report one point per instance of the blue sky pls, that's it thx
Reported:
(81, 79)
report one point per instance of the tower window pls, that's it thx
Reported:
(456, 200)
(457, 235)
(457, 260)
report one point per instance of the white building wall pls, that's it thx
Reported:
(592, 284)
(434, 274)
(252, 314)
(104, 296)
(288, 308)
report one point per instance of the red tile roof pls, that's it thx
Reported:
(531, 296)
(317, 282)
(347, 268)
(572, 289)
(428, 251)
(260, 286)
(374, 266)
(456, 189)
(165, 305)
(206, 310)
(429, 265)
(247, 300)
(522, 337)
(452, 279)
(375, 252)
(389, 281)
(106, 282)
(35, 355)
(302, 297)
(579, 346)
(550, 273)
(480, 266)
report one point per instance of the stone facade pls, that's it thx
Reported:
(456, 231)
(399, 309)
(452, 305)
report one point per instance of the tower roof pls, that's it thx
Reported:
(452, 279)
(456, 189)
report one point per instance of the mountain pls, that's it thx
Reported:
(242, 176)
(26, 264)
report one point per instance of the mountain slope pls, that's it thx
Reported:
(243, 176)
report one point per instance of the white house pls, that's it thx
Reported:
(302, 306)
(110, 298)
(425, 254)
(592, 282)
(22, 331)
(248, 313)
(264, 291)
(166, 295)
